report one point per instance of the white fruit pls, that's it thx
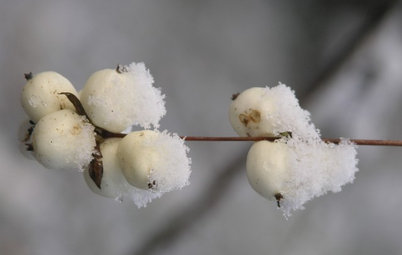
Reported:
(153, 160)
(138, 159)
(40, 96)
(63, 140)
(268, 168)
(116, 100)
(270, 112)
(247, 111)
(113, 184)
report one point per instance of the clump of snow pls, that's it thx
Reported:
(316, 167)
(149, 101)
(141, 197)
(288, 116)
(172, 170)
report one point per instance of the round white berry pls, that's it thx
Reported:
(63, 140)
(40, 96)
(113, 184)
(245, 113)
(270, 112)
(268, 169)
(155, 161)
(116, 99)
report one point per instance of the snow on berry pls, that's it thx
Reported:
(142, 166)
(116, 99)
(63, 140)
(114, 184)
(317, 167)
(153, 160)
(294, 170)
(40, 96)
(269, 112)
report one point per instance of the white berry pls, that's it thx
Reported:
(116, 99)
(269, 112)
(154, 160)
(267, 168)
(40, 96)
(63, 140)
(113, 183)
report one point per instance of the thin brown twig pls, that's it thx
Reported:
(260, 138)
(254, 139)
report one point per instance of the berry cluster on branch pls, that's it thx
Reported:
(91, 130)
(71, 130)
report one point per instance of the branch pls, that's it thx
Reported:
(255, 139)
(273, 138)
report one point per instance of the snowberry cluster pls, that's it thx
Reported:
(299, 165)
(72, 130)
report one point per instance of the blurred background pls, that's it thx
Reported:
(343, 59)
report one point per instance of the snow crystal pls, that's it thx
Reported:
(288, 115)
(315, 168)
(147, 101)
(172, 170)
(141, 197)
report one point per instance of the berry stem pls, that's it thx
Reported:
(28, 76)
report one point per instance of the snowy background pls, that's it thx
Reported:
(343, 59)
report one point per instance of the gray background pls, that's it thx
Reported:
(343, 59)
